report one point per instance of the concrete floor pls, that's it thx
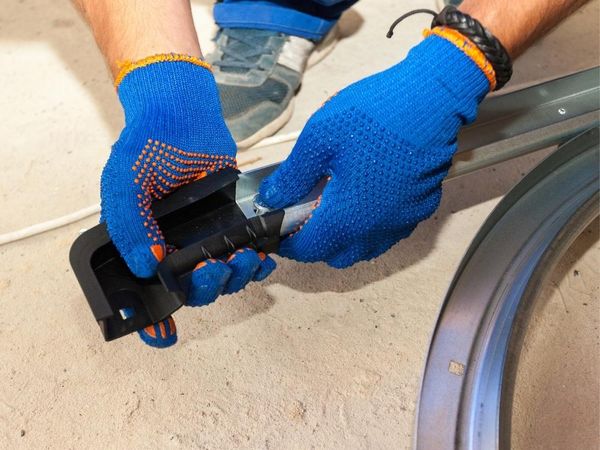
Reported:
(311, 358)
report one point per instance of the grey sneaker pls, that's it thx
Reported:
(258, 73)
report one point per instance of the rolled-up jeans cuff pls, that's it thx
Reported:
(267, 16)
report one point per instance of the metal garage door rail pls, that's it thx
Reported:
(462, 388)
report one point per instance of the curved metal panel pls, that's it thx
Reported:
(461, 391)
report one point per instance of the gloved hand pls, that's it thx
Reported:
(174, 134)
(386, 142)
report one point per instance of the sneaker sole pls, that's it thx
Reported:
(324, 48)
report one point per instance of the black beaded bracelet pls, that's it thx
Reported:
(472, 29)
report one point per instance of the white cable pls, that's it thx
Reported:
(49, 225)
(76, 216)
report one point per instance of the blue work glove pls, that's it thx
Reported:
(386, 142)
(174, 134)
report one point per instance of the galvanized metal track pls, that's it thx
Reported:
(462, 387)
(508, 126)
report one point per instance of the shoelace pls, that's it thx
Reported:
(244, 48)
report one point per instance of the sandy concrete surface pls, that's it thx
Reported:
(311, 358)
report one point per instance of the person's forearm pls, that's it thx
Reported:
(517, 24)
(128, 30)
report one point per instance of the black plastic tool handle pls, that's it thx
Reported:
(216, 233)
(200, 220)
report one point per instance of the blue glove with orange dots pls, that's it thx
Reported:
(386, 143)
(174, 134)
